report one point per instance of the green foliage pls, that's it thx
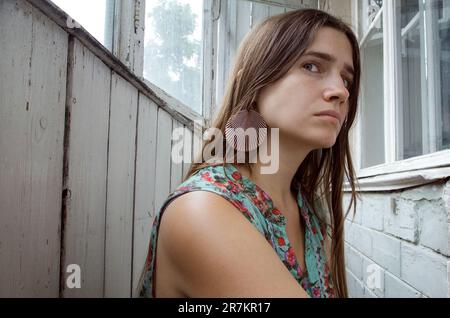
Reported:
(173, 25)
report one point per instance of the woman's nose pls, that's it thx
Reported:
(336, 90)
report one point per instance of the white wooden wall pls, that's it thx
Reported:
(33, 60)
(84, 163)
(83, 222)
(85, 153)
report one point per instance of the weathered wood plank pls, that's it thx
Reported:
(177, 109)
(144, 206)
(163, 162)
(176, 173)
(226, 42)
(187, 150)
(209, 60)
(119, 212)
(84, 228)
(33, 62)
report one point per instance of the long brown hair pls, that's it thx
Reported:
(266, 54)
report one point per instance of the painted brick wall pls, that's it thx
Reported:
(397, 244)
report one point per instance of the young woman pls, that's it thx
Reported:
(231, 231)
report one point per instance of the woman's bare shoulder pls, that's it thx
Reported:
(217, 252)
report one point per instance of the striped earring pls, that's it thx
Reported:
(244, 140)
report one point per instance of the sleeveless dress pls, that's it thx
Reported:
(259, 209)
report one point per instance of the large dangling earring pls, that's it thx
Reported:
(247, 118)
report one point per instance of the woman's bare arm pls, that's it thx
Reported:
(216, 252)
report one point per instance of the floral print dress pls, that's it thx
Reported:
(259, 209)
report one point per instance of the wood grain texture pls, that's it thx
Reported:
(84, 227)
(176, 173)
(144, 206)
(33, 62)
(187, 151)
(163, 162)
(119, 212)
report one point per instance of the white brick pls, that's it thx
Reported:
(427, 192)
(424, 269)
(433, 226)
(357, 218)
(402, 222)
(373, 277)
(373, 209)
(396, 288)
(448, 278)
(348, 232)
(355, 286)
(386, 252)
(354, 261)
(358, 237)
(362, 240)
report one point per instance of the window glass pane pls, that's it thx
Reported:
(443, 52)
(372, 106)
(412, 72)
(173, 58)
(368, 10)
(423, 36)
(94, 16)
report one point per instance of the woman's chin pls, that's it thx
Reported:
(326, 143)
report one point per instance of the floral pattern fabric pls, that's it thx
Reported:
(259, 209)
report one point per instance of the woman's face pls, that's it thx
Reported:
(318, 82)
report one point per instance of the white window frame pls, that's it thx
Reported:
(128, 47)
(396, 174)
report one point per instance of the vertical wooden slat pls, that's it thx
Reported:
(187, 150)
(225, 42)
(33, 62)
(84, 227)
(119, 212)
(209, 59)
(176, 173)
(163, 162)
(144, 206)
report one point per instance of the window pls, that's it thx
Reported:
(366, 15)
(422, 36)
(405, 95)
(173, 51)
(95, 16)
(372, 109)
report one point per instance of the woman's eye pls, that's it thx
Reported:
(308, 66)
(346, 83)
